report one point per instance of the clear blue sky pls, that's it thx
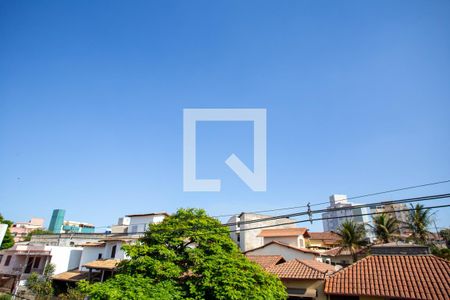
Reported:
(91, 97)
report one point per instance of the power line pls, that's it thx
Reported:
(349, 198)
(417, 199)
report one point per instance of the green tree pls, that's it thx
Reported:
(27, 238)
(353, 237)
(385, 227)
(445, 234)
(8, 240)
(41, 285)
(192, 255)
(419, 219)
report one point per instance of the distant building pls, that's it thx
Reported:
(137, 224)
(20, 230)
(248, 238)
(398, 211)
(342, 210)
(59, 225)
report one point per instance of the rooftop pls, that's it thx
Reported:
(328, 237)
(73, 275)
(103, 264)
(283, 232)
(283, 245)
(266, 261)
(149, 214)
(397, 276)
(302, 269)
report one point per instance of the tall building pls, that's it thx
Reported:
(59, 225)
(57, 220)
(346, 211)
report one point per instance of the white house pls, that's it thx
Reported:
(23, 259)
(286, 251)
(137, 223)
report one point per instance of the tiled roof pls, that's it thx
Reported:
(103, 264)
(396, 276)
(341, 251)
(328, 237)
(266, 261)
(283, 245)
(302, 269)
(73, 275)
(282, 232)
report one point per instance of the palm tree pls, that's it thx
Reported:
(419, 220)
(385, 227)
(353, 237)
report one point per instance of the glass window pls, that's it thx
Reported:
(8, 260)
(36, 263)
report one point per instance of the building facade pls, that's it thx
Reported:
(341, 210)
(20, 230)
(59, 225)
(242, 232)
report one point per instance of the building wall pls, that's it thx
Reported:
(249, 239)
(65, 239)
(286, 252)
(140, 224)
(294, 241)
(307, 284)
(90, 254)
(57, 220)
(65, 258)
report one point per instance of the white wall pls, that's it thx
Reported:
(64, 258)
(286, 252)
(140, 223)
(90, 254)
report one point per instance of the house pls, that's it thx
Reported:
(98, 262)
(303, 279)
(137, 223)
(20, 230)
(295, 237)
(422, 277)
(321, 241)
(23, 259)
(286, 251)
(399, 248)
(341, 256)
(245, 228)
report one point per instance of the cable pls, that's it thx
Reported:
(350, 198)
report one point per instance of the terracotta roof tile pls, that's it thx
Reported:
(282, 232)
(266, 261)
(73, 275)
(103, 264)
(302, 269)
(341, 251)
(401, 276)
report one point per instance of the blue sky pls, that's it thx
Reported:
(91, 97)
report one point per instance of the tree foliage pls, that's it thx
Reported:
(353, 237)
(385, 227)
(41, 285)
(8, 240)
(36, 232)
(419, 219)
(192, 256)
(445, 234)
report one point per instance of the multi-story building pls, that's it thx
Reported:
(341, 210)
(59, 225)
(245, 232)
(398, 211)
(20, 230)
(137, 224)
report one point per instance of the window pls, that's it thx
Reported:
(113, 251)
(100, 256)
(8, 260)
(1, 257)
(36, 263)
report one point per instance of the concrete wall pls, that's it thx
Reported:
(65, 258)
(65, 239)
(140, 224)
(286, 252)
(307, 284)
